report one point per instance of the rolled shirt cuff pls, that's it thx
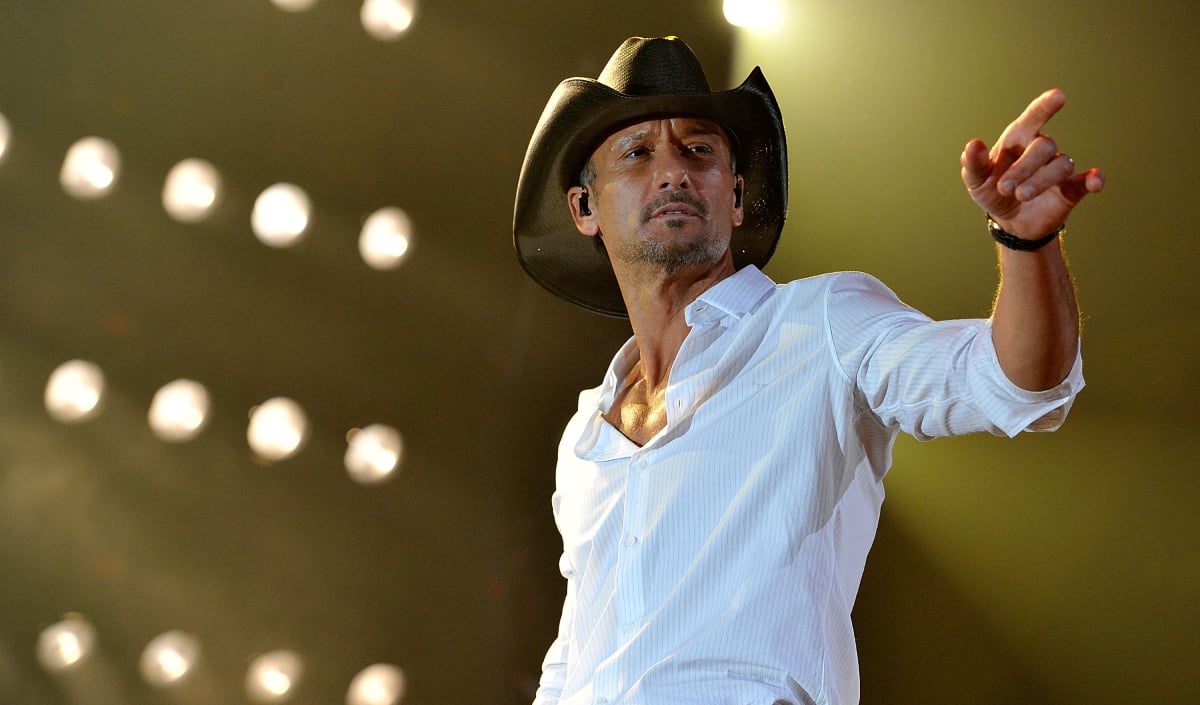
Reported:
(1009, 407)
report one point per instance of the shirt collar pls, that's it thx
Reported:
(600, 441)
(618, 370)
(736, 295)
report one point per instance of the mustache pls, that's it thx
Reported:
(687, 198)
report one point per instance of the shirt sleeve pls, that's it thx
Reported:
(932, 378)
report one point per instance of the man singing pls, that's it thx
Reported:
(718, 493)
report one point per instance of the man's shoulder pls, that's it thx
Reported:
(834, 281)
(832, 288)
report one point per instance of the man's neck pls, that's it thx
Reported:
(657, 303)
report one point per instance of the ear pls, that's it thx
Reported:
(739, 193)
(585, 224)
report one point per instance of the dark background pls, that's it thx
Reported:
(1056, 568)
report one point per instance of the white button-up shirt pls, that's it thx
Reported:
(719, 563)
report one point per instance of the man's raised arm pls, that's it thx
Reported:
(1028, 188)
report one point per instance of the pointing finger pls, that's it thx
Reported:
(1037, 114)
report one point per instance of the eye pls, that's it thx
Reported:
(636, 152)
(700, 148)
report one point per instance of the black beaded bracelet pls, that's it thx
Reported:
(1013, 242)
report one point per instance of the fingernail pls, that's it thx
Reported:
(1025, 192)
(1007, 186)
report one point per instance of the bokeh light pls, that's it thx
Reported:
(169, 658)
(74, 391)
(280, 215)
(756, 14)
(191, 190)
(373, 454)
(378, 684)
(386, 238)
(90, 168)
(179, 410)
(387, 20)
(294, 5)
(4, 135)
(273, 677)
(66, 644)
(278, 428)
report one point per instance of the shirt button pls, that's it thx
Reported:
(601, 700)
(631, 541)
(628, 627)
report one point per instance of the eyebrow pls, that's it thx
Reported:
(630, 139)
(691, 131)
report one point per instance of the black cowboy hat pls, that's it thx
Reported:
(644, 79)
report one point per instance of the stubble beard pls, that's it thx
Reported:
(673, 255)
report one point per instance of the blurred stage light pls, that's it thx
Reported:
(191, 190)
(90, 169)
(280, 215)
(65, 644)
(294, 5)
(273, 677)
(4, 134)
(385, 238)
(74, 391)
(278, 428)
(379, 684)
(386, 20)
(758, 14)
(373, 454)
(179, 410)
(169, 658)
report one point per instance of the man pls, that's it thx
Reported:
(718, 493)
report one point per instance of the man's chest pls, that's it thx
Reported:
(639, 414)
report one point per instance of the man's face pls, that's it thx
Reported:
(663, 194)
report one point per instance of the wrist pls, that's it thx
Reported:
(1016, 242)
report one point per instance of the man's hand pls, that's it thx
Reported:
(1024, 182)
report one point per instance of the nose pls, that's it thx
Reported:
(671, 170)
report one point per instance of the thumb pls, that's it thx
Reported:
(976, 165)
